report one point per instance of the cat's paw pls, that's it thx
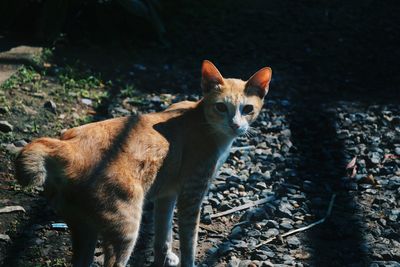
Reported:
(171, 260)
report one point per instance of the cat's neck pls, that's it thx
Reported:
(222, 140)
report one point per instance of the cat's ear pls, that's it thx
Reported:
(211, 78)
(258, 84)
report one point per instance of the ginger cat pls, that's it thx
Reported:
(97, 175)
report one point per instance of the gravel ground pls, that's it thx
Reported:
(296, 164)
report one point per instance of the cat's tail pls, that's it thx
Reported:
(31, 165)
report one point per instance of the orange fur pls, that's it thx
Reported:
(97, 175)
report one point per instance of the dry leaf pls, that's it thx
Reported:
(370, 179)
(389, 156)
(354, 172)
(352, 163)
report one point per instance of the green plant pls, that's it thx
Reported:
(24, 75)
(128, 91)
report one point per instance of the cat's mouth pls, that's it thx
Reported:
(237, 130)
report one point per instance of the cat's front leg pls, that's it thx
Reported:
(163, 214)
(188, 219)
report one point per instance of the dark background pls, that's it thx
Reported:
(345, 49)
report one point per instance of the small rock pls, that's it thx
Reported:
(254, 233)
(234, 262)
(397, 151)
(225, 248)
(236, 232)
(271, 232)
(122, 111)
(6, 127)
(5, 238)
(286, 225)
(284, 209)
(240, 245)
(375, 158)
(212, 250)
(224, 206)
(87, 101)
(208, 209)
(50, 106)
(293, 242)
(12, 149)
(246, 263)
(272, 224)
(20, 143)
(268, 264)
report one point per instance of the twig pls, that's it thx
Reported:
(328, 213)
(234, 149)
(207, 228)
(242, 207)
(11, 209)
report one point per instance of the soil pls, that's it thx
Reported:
(331, 59)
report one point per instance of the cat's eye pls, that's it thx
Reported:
(221, 107)
(247, 109)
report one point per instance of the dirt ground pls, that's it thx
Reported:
(321, 52)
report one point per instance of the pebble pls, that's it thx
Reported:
(272, 224)
(87, 101)
(20, 143)
(6, 127)
(236, 232)
(293, 242)
(208, 209)
(375, 157)
(271, 232)
(234, 262)
(50, 106)
(12, 149)
(284, 210)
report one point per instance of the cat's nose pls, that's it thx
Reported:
(235, 126)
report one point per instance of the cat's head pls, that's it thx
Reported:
(231, 105)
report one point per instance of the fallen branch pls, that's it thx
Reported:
(328, 213)
(236, 148)
(242, 207)
(11, 209)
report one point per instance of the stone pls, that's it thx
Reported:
(236, 232)
(20, 143)
(272, 224)
(286, 225)
(87, 101)
(284, 209)
(234, 262)
(293, 242)
(50, 106)
(12, 149)
(375, 158)
(245, 263)
(271, 232)
(6, 127)
(207, 209)
(225, 248)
